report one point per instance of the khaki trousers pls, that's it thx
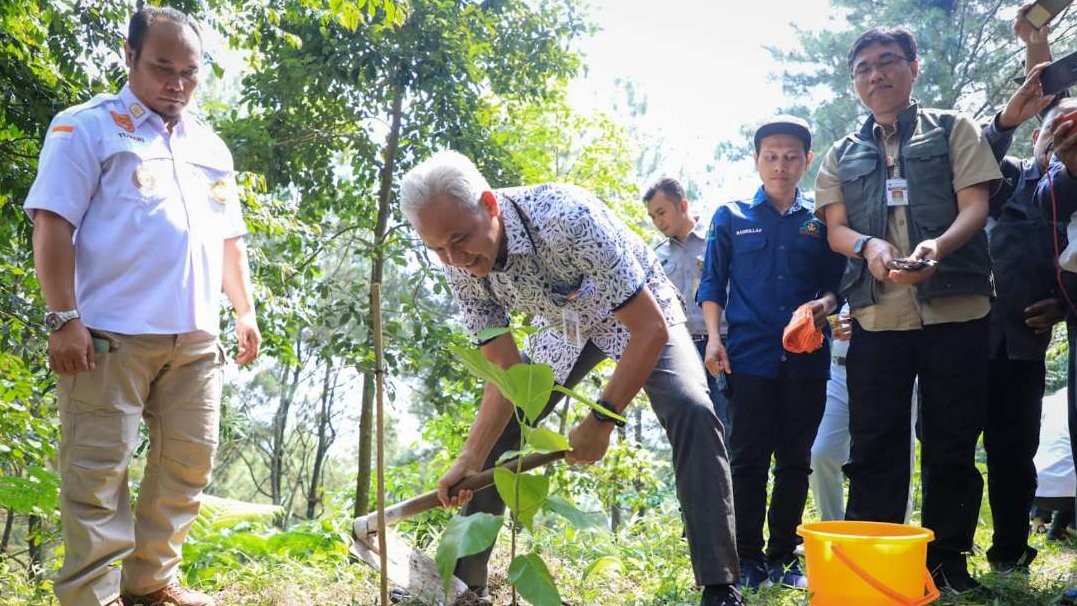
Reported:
(173, 383)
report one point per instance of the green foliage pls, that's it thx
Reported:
(37, 493)
(580, 520)
(523, 493)
(528, 573)
(464, 536)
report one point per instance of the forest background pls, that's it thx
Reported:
(325, 104)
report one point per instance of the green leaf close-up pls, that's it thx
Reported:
(523, 493)
(463, 536)
(529, 574)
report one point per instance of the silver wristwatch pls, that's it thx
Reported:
(55, 320)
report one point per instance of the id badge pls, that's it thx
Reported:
(570, 327)
(897, 192)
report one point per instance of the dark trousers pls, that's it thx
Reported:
(677, 390)
(773, 418)
(1011, 437)
(951, 361)
(716, 385)
(1071, 385)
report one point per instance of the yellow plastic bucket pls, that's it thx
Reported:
(867, 564)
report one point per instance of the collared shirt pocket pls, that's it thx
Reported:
(142, 173)
(749, 262)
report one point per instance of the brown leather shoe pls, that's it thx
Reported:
(172, 595)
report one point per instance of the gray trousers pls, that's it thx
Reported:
(677, 389)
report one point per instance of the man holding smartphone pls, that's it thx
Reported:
(137, 228)
(1027, 305)
(912, 183)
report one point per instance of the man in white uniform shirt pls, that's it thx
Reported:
(137, 228)
(681, 254)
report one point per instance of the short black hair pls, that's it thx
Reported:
(668, 186)
(142, 20)
(885, 35)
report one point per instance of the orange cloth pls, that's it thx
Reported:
(801, 335)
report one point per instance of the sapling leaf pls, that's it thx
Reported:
(532, 490)
(478, 365)
(464, 536)
(507, 455)
(528, 573)
(580, 520)
(492, 333)
(531, 387)
(545, 440)
(588, 401)
(602, 566)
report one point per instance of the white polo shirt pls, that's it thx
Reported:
(151, 211)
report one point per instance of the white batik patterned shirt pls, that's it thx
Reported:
(566, 250)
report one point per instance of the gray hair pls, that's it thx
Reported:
(446, 172)
(1064, 105)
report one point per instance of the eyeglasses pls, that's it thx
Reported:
(886, 62)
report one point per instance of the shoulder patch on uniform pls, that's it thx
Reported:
(124, 121)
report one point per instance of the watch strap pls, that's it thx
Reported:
(603, 417)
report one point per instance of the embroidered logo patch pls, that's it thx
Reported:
(123, 121)
(811, 228)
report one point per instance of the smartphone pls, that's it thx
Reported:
(1044, 10)
(906, 264)
(1060, 74)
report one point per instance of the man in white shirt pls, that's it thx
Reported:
(137, 228)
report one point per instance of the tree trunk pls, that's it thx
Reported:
(377, 269)
(366, 440)
(289, 384)
(326, 435)
(9, 524)
(35, 568)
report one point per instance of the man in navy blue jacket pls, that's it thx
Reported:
(772, 253)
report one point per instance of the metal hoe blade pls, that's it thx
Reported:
(411, 568)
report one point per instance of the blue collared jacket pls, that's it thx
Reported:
(771, 264)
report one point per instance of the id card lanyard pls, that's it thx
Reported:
(897, 188)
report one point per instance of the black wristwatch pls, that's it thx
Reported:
(603, 417)
(858, 246)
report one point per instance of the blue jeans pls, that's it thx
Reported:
(676, 389)
(716, 385)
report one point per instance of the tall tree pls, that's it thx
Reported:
(334, 111)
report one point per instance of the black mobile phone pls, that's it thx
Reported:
(906, 264)
(1043, 11)
(1060, 74)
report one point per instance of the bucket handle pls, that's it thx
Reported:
(932, 590)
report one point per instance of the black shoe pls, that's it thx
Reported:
(753, 574)
(1019, 566)
(478, 595)
(721, 595)
(953, 578)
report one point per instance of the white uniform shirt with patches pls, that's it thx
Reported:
(151, 211)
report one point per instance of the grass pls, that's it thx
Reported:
(653, 569)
